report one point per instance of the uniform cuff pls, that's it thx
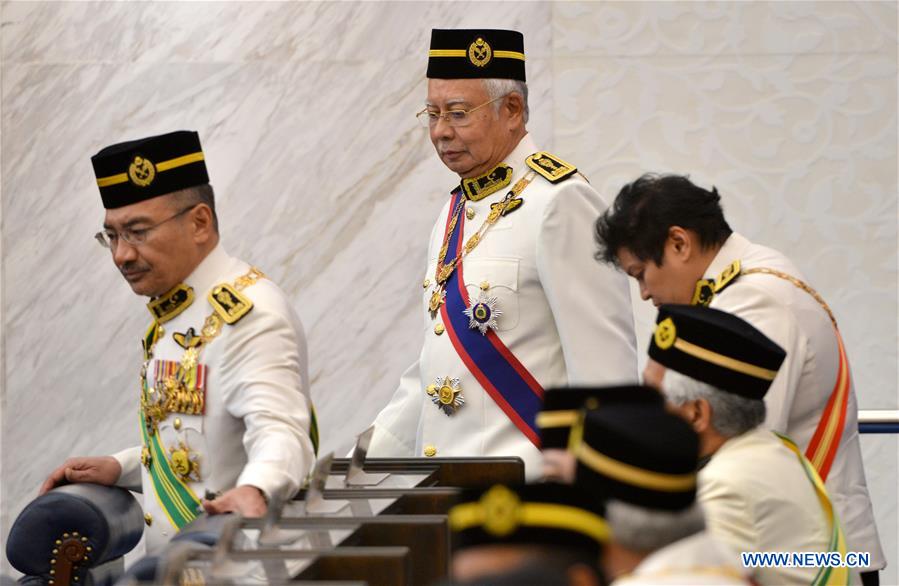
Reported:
(129, 460)
(269, 478)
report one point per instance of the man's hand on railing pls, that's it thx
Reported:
(245, 499)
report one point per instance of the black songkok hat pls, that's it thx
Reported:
(717, 348)
(547, 514)
(639, 454)
(562, 406)
(134, 171)
(476, 54)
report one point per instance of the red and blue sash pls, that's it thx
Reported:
(494, 366)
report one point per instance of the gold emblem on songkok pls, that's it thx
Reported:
(141, 171)
(500, 506)
(480, 53)
(665, 334)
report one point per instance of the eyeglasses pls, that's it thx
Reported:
(110, 238)
(455, 118)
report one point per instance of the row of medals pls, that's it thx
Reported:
(172, 395)
(446, 392)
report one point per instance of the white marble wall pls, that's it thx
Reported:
(326, 182)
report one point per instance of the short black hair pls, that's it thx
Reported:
(644, 210)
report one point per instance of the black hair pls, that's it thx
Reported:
(644, 210)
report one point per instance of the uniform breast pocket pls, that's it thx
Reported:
(494, 281)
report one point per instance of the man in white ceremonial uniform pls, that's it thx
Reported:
(672, 237)
(510, 300)
(759, 493)
(641, 460)
(225, 415)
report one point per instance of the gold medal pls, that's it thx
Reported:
(189, 359)
(444, 273)
(446, 393)
(146, 458)
(184, 463)
(437, 299)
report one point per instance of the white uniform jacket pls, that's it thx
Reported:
(797, 397)
(565, 317)
(256, 425)
(697, 560)
(757, 497)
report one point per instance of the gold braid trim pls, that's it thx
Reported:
(798, 283)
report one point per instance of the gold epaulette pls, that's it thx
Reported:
(229, 303)
(727, 276)
(552, 168)
(227, 300)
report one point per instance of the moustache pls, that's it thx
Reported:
(132, 267)
(443, 148)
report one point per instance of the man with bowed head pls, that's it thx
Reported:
(225, 414)
(511, 302)
(671, 236)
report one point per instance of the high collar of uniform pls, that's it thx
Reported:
(477, 188)
(734, 248)
(511, 169)
(174, 301)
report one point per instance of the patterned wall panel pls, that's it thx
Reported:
(789, 108)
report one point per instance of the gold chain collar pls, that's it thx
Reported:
(445, 271)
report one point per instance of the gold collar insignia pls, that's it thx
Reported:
(477, 188)
(703, 292)
(169, 305)
(706, 289)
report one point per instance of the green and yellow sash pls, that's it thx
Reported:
(826, 576)
(176, 498)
